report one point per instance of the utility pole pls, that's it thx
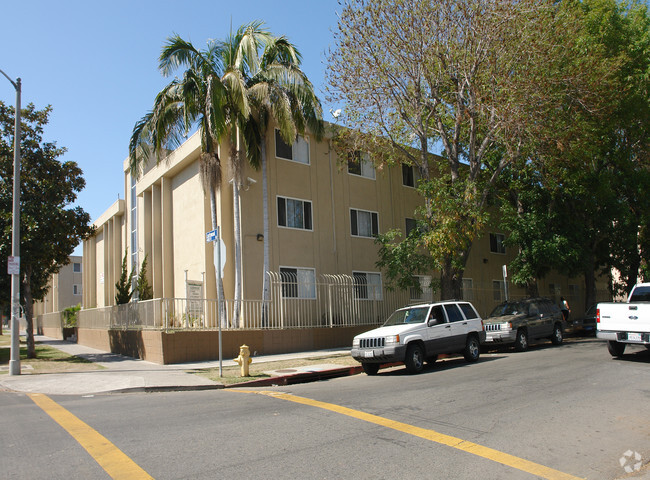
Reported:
(13, 265)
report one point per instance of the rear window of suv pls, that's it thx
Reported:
(468, 310)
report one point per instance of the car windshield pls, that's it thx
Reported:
(508, 308)
(407, 315)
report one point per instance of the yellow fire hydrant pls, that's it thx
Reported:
(244, 360)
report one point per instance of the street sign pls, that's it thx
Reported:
(13, 265)
(212, 235)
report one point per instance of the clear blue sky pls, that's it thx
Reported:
(96, 63)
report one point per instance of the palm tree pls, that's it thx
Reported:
(197, 98)
(282, 93)
(219, 87)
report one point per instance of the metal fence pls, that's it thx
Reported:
(296, 302)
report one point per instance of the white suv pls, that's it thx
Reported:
(421, 332)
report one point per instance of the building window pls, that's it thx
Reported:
(359, 164)
(411, 224)
(298, 282)
(76, 289)
(297, 152)
(468, 289)
(496, 243)
(364, 224)
(367, 285)
(76, 267)
(410, 175)
(424, 291)
(498, 290)
(294, 213)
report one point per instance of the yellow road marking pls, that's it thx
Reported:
(109, 457)
(454, 442)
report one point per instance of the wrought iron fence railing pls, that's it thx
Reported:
(336, 300)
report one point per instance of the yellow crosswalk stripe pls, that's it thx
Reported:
(431, 435)
(118, 465)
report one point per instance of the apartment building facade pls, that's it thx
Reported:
(324, 214)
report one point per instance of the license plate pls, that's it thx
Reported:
(369, 354)
(635, 337)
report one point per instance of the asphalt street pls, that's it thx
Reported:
(569, 412)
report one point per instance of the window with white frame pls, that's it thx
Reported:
(498, 290)
(298, 282)
(468, 289)
(76, 289)
(410, 175)
(424, 291)
(294, 213)
(496, 243)
(359, 164)
(367, 285)
(297, 152)
(76, 267)
(363, 223)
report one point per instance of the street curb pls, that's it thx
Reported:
(304, 377)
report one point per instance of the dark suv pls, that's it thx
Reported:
(520, 321)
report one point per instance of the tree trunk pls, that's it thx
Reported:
(532, 289)
(217, 274)
(236, 320)
(29, 312)
(266, 288)
(451, 281)
(590, 287)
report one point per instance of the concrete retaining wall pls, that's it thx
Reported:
(190, 346)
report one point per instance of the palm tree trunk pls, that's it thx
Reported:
(266, 288)
(221, 312)
(238, 264)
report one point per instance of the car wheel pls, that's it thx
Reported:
(414, 358)
(521, 343)
(556, 338)
(370, 368)
(472, 349)
(616, 349)
(432, 359)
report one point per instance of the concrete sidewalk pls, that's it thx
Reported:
(125, 374)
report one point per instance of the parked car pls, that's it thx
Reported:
(587, 323)
(420, 333)
(521, 321)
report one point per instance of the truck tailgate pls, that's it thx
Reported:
(624, 317)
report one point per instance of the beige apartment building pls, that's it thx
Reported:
(323, 216)
(65, 289)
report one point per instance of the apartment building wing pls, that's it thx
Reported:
(65, 289)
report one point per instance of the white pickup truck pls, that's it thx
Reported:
(623, 323)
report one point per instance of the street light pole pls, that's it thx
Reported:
(14, 361)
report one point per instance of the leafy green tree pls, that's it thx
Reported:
(124, 285)
(145, 292)
(583, 207)
(452, 72)
(50, 228)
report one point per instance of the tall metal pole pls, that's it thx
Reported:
(14, 359)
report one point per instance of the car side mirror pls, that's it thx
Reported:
(432, 322)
